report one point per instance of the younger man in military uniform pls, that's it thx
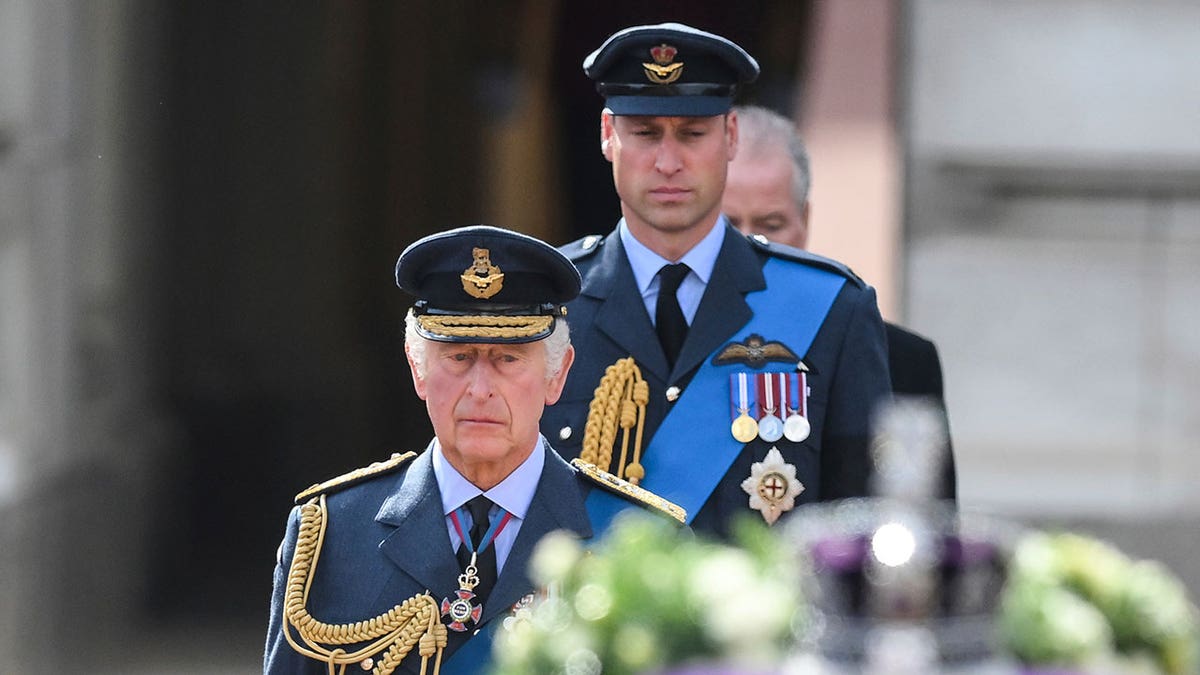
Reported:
(422, 556)
(726, 373)
(766, 193)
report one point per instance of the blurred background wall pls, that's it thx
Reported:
(200, 206)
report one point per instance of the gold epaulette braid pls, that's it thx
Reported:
(619, 400)
(485, 325)
(415, 621)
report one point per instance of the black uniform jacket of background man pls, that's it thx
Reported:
(847, 366)
(916, 370)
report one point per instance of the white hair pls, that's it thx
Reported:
(556, 344)
(761, 130)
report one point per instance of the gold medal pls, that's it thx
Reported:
(744, 428)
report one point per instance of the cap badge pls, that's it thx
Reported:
(482, 279)
(662, 71)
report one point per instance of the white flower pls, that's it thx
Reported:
(554, 557)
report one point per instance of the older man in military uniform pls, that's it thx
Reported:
(423, 555)
(726, 373)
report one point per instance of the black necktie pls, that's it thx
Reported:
(668, 317)
(485, 562)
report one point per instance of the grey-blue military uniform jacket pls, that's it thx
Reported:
(386, 541)
(847, 362)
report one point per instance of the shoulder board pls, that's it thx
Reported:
(582, 248)
(624, 488)
(345, 480)
(804, 257)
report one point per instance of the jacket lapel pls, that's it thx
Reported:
(723, 309)
(557, 505)
(622, 314)
(420, 544)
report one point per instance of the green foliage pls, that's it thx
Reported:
(1074, 600)
(650, 596)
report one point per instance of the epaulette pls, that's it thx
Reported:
(582, 248)
(624, 488)
(345, 480)
(801, 256)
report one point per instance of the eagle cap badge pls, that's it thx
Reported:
(663, 71)
(482, 279)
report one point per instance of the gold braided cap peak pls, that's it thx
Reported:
(623, 487)
(345, 480)
(485, 326)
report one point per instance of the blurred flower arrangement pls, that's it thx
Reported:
(1077, 602)
(649, 598)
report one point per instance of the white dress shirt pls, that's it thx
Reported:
(646, 264)
(513, 494)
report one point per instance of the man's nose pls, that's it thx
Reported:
(667, 160)
(481, 379)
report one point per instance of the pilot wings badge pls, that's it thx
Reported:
(755, 352)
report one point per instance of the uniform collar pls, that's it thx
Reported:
(513, 494)
(646, 263)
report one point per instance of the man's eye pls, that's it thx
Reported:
(460, 356)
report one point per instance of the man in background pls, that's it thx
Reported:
(766, 193)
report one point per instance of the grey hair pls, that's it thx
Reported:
(556, 343)
(760, 129)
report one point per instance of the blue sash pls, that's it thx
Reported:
(791, 309)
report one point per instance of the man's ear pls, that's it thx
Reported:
(554, 387)
(804, 224)
(606, 135)
(418, 380)
(731, 133)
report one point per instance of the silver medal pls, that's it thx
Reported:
(796, 428)
(770, 428)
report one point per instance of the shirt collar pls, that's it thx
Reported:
(513, 494)
(646, 263)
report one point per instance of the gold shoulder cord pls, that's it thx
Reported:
(620, 399)
(396, 630)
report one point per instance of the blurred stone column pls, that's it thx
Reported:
(75, 432)
(847, 119)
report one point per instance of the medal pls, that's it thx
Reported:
(770, 427)
(772, 486)
(462, 607)
(796, 428)
(744, 428)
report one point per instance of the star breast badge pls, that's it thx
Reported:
(772, 486)
(522, 612)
